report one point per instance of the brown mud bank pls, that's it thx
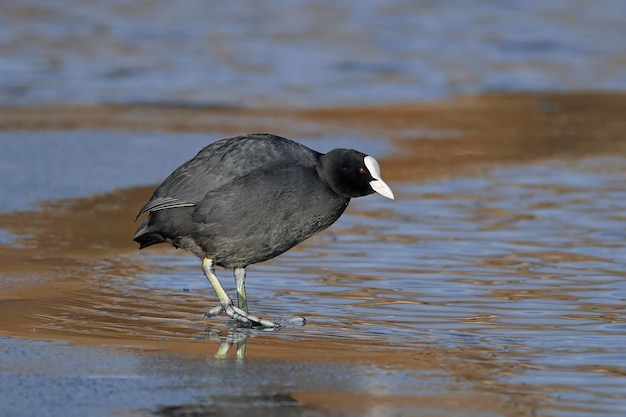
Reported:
(48, 265)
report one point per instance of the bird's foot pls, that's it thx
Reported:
(215, 311)
(241, 316)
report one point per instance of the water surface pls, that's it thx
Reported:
(493, 285)
(304, 53)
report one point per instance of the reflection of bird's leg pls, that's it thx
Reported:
(225, 346)
(226, 304)
(231, 337)
(223, 349)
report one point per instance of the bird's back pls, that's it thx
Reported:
(226, 160)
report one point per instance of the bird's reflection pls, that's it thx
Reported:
(232, 336)
(238, 335)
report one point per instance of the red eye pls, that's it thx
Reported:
(362, 170)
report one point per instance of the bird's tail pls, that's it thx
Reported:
(146, 237)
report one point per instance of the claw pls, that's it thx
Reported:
(247, 319)
(240, 316)
(215, 311)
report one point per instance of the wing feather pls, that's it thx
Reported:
(162, 203)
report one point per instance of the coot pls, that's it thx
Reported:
(247, 199)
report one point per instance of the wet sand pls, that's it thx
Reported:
(68, 266)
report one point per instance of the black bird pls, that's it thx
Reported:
(250, 198)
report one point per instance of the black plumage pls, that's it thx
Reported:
(247, 199)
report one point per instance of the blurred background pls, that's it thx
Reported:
(304, 53)
(494, 285)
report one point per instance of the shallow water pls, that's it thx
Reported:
(490, 286)
(498, 260)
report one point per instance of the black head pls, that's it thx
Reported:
(351, 173)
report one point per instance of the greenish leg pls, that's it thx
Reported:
(239, 314)
(240, 280)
